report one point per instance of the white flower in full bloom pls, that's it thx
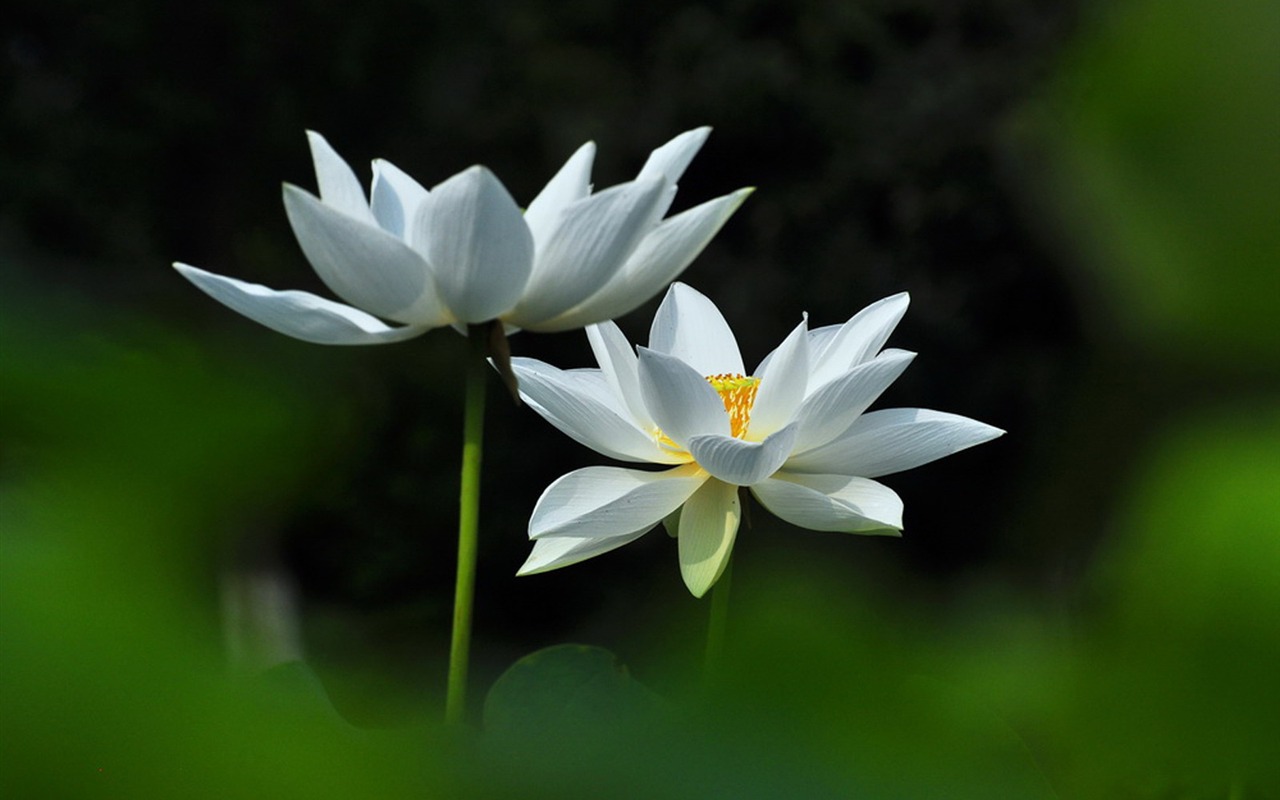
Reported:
(464, 253)
(794, 431)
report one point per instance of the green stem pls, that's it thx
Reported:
(468, 528)
(717, 626)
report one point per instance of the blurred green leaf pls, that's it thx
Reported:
(1180, 677)
(1169, 165)
(565, 688)
(131, 460)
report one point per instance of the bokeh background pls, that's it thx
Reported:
(1082, 202)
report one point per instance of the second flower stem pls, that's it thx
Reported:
(717, 626)
(468, 527)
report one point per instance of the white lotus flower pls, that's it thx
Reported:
(464, 253)
(793, 431)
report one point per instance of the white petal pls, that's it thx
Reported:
(680, 400)
(662, 255)
(298, 314)
(580, 404)
(832, 503)
(593, 240)
(858, 339)
(561, 551)
(339, 187)
(739, 462)
(689, 327)
(673, 158)
(830, 411)
(819, 338)
(571, 183)
(395, 197)
(473, 235)
(618, 362)
(708, 525)
(893, 440)
(782, 385)
(363, 264)
(598, 502)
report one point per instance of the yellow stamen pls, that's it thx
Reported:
(738, 393)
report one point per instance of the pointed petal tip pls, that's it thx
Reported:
(696, 581)
(684, 288)
(985, 432)
(701, 133)
(191, 273)
(475, 172)
(534, 565)
(288, 190)
(736, 199)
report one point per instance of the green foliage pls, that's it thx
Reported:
(1169, 162)
(122, 460)
(558, 690)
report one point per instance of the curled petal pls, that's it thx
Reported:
(561, 551)
(298, 314)
(340, 189)
(581, 405)
(679, 399)
(893, 440)
(395, 197)
(830, 410)
(739, 462)
(708, 524)
(858, 339)
(593, 239)
(475, 239)
(689, 327)
(673, 158)
(661, 256)
(782, 385)
(620, 368)
(570, 184)
(832, 503)
(597, 502)
(363, 264)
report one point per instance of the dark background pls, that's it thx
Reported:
(884, 141)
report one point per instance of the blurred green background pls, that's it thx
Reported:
(1081, 201)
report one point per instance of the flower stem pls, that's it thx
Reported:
(468, 527)
(717, 626)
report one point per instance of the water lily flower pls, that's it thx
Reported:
(794, 431)
(464, 253)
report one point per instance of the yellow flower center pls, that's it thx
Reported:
(738, 393)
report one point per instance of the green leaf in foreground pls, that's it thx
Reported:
(565, 687)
